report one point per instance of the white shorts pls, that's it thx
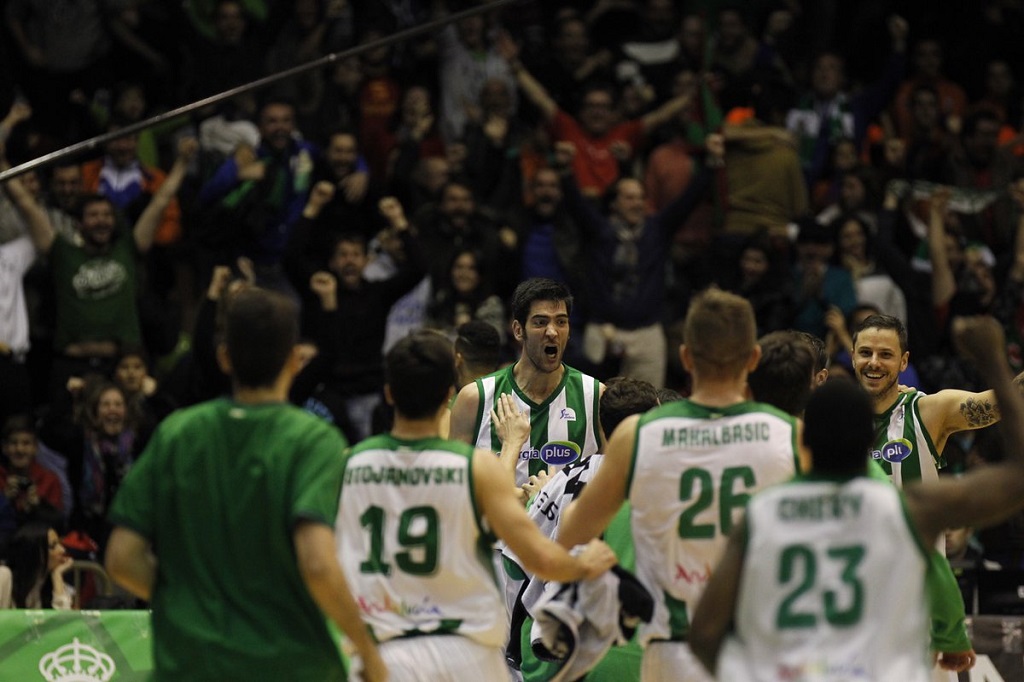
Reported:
(442, 658)
(672, 662)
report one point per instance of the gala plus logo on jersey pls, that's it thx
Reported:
(895, 450)
(567, 414)
(529, 453)
(559, 453)
(556, 453)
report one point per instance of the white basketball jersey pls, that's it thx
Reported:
(694, 469)
(833, 587)
(412, 542)
(563, 428)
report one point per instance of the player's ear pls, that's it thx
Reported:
(295, 359)
(755, 357)
(686, 357)
(517, 330)
(223, 359)
(387, 395)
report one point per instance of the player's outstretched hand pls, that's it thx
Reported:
(596, 557)
(510, 423)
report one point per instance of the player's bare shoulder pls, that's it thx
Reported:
(464, 413)
(952, 410)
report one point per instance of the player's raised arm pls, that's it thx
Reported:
(990, 493)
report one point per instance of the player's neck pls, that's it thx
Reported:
(537, 385)
(405, 428)
(719, 392)
(884, 402)
(263, 394)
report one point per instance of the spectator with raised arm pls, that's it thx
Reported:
(626, 258)
(95, 280)
(340, 200)
(468, 59)
(257, 194)
(362, 309)
(601, 142)
(130, 184)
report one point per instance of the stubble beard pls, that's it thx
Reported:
(878, 395)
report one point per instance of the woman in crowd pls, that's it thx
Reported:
(467, 295)
(855, 251)
(101, 442)
(34, 575)
(759, 279)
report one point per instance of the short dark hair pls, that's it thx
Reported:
(419, 371)
(597, 85)
(272, 99)
(132, 350)
(538, 289)
(839, 427)
(783, 376)
(884, 322)
(27, 557)
(18, 423)
(623, 397)
(668, 395)
(348, 237)
(818, 350)
(341, 130)
(612, 193)
(480, 344)
(840, 222)
(88, 199)
(261, 329)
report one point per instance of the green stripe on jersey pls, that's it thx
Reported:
(569, 413)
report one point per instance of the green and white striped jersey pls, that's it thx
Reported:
(562, 428)
(412, 543)
(833, 587)
(902, 446)
(694, 468)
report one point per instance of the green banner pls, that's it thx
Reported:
(75, 646)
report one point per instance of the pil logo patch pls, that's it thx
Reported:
(559, 453)
(894, 451)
